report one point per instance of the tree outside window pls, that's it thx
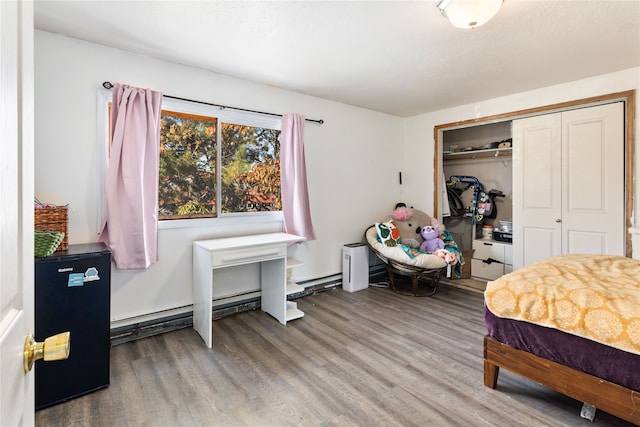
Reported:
(187, 185)
(250, 169)
(188, 179)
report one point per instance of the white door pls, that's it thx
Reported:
(568, 171)
(16, 210)
(537, 195)
(593, 206)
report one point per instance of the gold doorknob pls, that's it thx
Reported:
(56, 347)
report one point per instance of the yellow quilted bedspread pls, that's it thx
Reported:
(591, 296)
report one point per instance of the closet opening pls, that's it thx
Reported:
(478, 153)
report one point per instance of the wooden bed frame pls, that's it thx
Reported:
(609, 397)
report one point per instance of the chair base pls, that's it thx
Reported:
(412, 286)
(415, 274)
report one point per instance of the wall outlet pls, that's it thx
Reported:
(289, 273)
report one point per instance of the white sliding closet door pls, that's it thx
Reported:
(593, 180)
(568, 194)
(537, 196)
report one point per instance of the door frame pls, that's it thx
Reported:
(629, 99)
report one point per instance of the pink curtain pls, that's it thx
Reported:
(293, 175)
(130, 225)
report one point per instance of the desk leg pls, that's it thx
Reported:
(274, 288)
(202, 293)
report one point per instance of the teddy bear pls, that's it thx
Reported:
(432, 241)
(409, 223)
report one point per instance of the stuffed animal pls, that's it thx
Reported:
(409, 223)
(432, 241)
(402, 212)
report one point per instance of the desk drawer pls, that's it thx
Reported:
(247, 255)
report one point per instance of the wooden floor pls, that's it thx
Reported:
(369, 358)
(469, 284)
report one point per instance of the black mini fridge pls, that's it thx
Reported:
(72, 293)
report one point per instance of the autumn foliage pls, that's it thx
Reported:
(249, 174)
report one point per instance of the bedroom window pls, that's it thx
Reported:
(187, 173)
(213, 163)
(249, 178)
(250, 160)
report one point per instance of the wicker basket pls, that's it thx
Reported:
(54, 218)
(46, 242)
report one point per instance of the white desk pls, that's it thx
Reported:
(270, 250)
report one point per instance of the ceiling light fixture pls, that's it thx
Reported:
(469, 13)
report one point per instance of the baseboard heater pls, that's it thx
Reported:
(222, 308)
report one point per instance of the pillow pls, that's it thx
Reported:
(387, 232)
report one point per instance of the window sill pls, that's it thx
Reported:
(226, 220)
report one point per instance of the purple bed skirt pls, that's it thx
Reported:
(614, 365)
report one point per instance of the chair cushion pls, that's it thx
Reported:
(397, 253)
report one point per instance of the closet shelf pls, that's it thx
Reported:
(477, 154)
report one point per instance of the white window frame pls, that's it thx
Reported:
(223, 115)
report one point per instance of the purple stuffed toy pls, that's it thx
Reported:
(431, 240)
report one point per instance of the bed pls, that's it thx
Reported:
(571, 323)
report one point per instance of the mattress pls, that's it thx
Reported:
(609, 363)
(596, 297)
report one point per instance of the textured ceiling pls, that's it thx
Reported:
(397, 57)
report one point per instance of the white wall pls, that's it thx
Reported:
(419, 137)
(353, 161)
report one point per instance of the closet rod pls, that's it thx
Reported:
(108, 85)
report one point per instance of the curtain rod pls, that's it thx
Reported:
(108, 85)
